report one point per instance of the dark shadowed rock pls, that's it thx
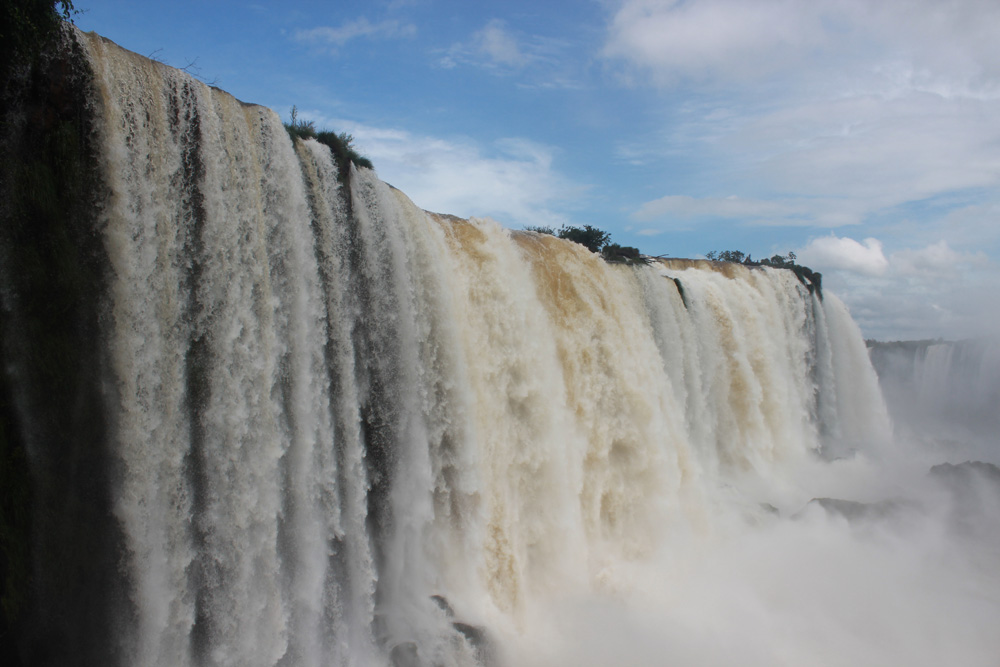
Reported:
(480, 641)
(442, 602)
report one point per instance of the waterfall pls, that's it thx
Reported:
(943, 391)
(342, 430)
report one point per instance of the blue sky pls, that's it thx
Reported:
(863, 135)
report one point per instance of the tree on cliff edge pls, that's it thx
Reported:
(593, 238)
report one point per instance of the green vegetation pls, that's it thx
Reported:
(541, 230)
(300, 129)
(343, 151)
(780, 261)
(26, 26)
(339, 144)
(811, 279)
(739, 257)
(598, 240)
(592, 238)
(734, 256)
(595, 240)
(622, 254)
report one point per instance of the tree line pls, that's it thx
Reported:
(599, 241)
(595, 240)
(808, 277)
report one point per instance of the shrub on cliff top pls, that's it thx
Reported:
(593, 238)
(339, 144)
(343, 152)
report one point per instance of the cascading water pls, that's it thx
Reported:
(345, 431)
(943, 391)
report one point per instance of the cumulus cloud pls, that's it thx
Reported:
(706, 37)
(846, 254)
(933, 261)
(930, 291)
(513, 180)
(340, 35)
(960, 303)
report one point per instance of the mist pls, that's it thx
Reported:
(887, 556)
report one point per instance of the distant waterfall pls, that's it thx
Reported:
(941, 390)
(346, 431)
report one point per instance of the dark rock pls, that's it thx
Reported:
(480, 641)
(680, 291)
(853, 510)
(770, 509)
(442, 602)
(405, 654)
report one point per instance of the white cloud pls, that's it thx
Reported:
(846, 254)
(683, 206)
(339, 36)
(512, 180)
(880, 152)
(542, 61)
(677, 210)
(846, 157)
(736, 40)
(925, 292)
(496, 43)
(975, 226)
(935, 260)
(897, 306)
(818, 113)
(494, 46)
(705, 38)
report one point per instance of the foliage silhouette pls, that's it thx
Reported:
(339, 144)
(592, 238)
(811, 279)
